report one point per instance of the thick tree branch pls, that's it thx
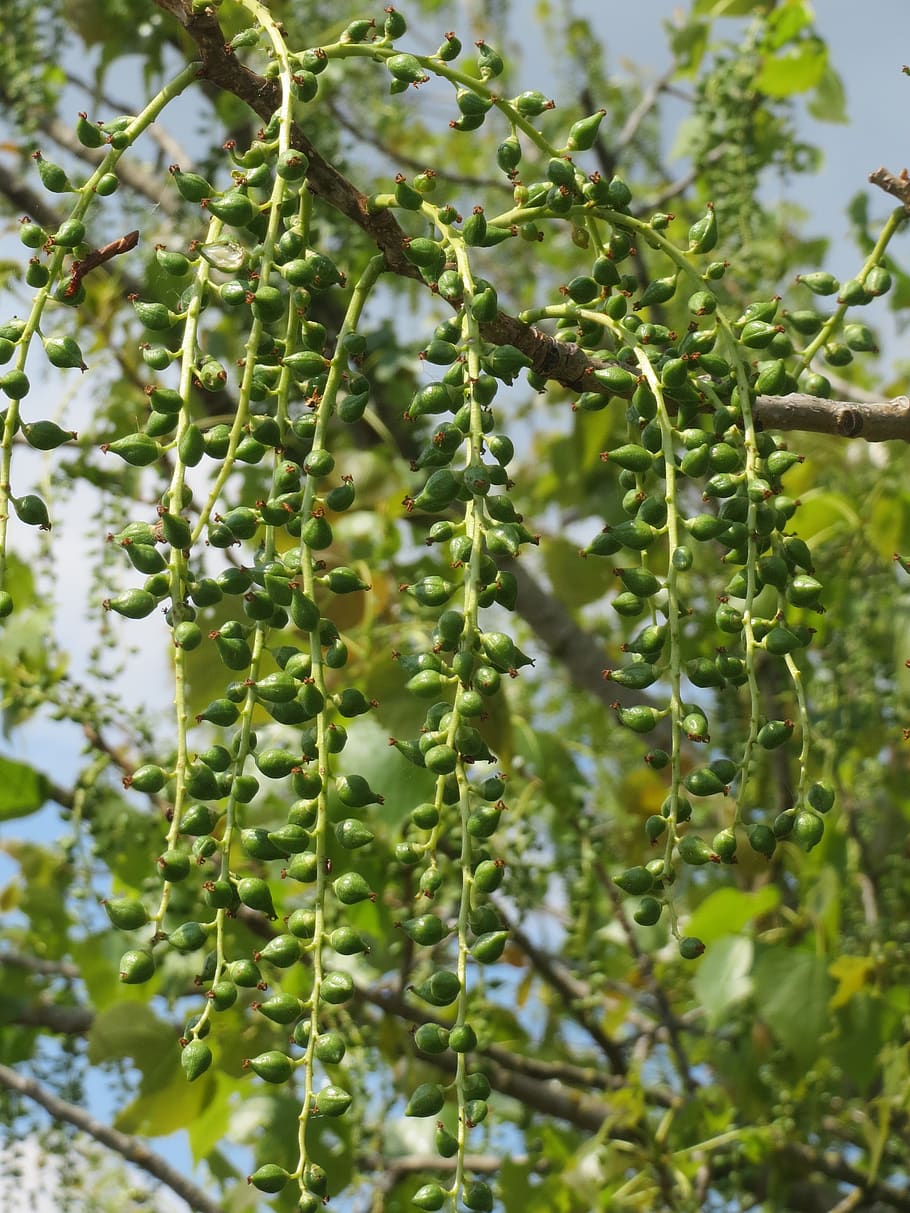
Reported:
(883, 421)
(130, 1148)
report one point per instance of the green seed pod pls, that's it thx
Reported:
(781, 640)
(488, 948)
(878, 281)
(724, 846)
(694, 850)
(15, 384)
(426, 929)
(439, 990)
(355, 792)
(254, 893)
(273, 1066)
(821, 797)
(31, 510)
(190, 185)
(223, 995)
(281, 1008)
(476, 1194)
(431, 1196)
(808, 829)
(269, 1178)
(691, 948)
(775, 733)
(648, 912)
(303, 867)
(351, 888)
(803, 591)
(431, 1038)
(704, 782)
(427, 1100)
(189, 937)
(244, 973)
(489, 875)
(634, 881)
(136, 966)
(126, 913)
(347, 942)
(640, 718)
(196, 1057)
(281, 951)
(761, 839)
(138, 450)
(333, 1101)
(174, 866)
(337, 988)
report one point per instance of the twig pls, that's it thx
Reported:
(572, 991)
(897, 186)
(130, 1148)
(136, 176)
(173, 150)
(403, 160)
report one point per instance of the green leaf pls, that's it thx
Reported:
(797, 70)
(829, 103)
(727, 911)
(723, 976)
(786, 21)
(162, 1111)
(23, 790)
(792, 990)
(131, 1029)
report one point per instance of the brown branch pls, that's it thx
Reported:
(897, 186)
(880, 422)
(130, 1148)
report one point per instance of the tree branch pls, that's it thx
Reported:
(570, 990)
(130, 1148)
(882, 421)
(897, 186)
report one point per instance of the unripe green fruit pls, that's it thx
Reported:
(126, 913)
(440, 990)
(477, 1195)
(347, 942)
(808, 829)
(337, 988)
(427, 1100)
(761, 839)
(136, 966)
(431, 1196)
(351, 888)
(15, 384)
(254, 893)
(273, 1066)
(196, 1057)
(269, 1178)
(31, 510)
(280, 1008)
(488, 948)
(648, 912)
(691, 948)
(333, 1101)
(704, 782)
(189, 937)
(281, 951)
(489, 875)
(427, 929)
(775, 733)
(821, 797)
(694, 850)
(244, 973)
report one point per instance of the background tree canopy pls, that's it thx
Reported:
(453, 626)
